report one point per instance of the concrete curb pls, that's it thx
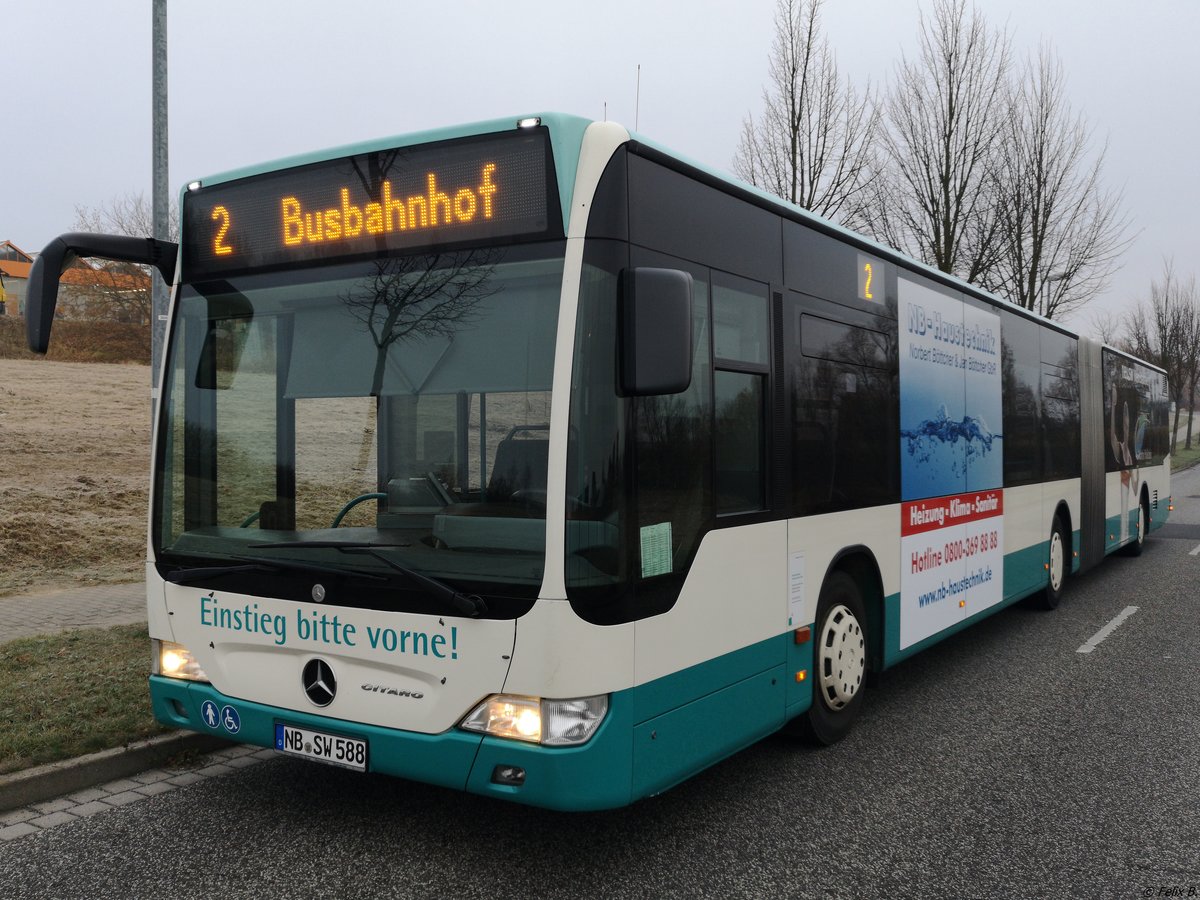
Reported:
(56, 779)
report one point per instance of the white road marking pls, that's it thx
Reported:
(1095, 639)
(1195, 551)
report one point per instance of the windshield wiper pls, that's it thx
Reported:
(199, 573)
(253, 564)
(324, 545)
(468, 604)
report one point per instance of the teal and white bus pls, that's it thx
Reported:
(530, 459)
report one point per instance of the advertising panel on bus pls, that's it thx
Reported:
(951, 475)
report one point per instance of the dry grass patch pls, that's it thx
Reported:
(74, 473)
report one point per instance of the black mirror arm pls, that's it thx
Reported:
(42, 294)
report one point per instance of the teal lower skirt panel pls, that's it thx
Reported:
(653, 736)
(1025, 573)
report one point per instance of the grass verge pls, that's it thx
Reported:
(78, 340)
(74, 693)
(1183, 459)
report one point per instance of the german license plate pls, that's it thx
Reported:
(327, 748)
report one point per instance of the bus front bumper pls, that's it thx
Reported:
(595, 775)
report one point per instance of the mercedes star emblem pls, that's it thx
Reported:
(319, 683)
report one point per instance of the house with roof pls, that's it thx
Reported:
(15, 264)
(117, 291)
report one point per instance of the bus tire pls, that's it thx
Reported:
(839, 662)
(1134, 547)
(1057, 568)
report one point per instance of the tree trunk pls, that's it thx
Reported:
(1191, 409)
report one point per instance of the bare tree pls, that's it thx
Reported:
(944, 117)
(810, 143)
(116, 290)
(1189, 353)
(1060, 232)
(1160, 331)
(1108, 326)
(410, 298)
(129, 214)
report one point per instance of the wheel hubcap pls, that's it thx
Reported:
(843, 657)
(1056, 561)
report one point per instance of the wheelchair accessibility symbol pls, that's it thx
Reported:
(230, 720)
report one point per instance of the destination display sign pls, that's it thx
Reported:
(494, 188)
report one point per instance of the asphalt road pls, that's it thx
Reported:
(1002, 762)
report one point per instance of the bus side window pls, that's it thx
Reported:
(841, 378)
(1060, 406)
(1021, 369)
(741, 347)
(672, 446)
(740, 480)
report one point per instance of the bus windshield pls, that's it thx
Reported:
(369, 421)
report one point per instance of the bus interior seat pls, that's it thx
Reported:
(521, 464)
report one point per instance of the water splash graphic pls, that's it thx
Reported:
(934, 436)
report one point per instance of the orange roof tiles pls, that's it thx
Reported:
(12, 269)
(84, 276)
(81, 275)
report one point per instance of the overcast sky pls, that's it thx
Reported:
(252, 81)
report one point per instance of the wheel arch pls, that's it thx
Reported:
(860, 564)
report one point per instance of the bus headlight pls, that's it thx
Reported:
(553, 723)
(175, 661)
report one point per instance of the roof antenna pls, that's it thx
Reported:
(637, 103)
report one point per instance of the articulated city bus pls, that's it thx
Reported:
(530, 459)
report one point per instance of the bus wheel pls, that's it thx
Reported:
(1056, 568)
(840, 661)
(1134, 547)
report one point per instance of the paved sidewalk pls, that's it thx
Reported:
(49, 612)
(104, 792)
(110, 778)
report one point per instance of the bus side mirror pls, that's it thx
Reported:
(654, 319)
(42, 289)
(41, 294)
